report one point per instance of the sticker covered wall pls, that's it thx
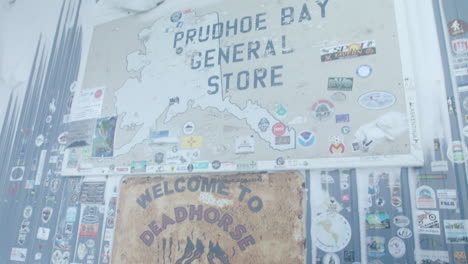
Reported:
(243, 218)
(245, 84)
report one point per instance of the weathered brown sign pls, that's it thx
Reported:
(244, 218)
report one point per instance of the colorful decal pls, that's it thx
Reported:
(375, 246)
(17, 173)
(306, 138)
(191, 142)
(278, 129)
(343, 118)
(103, 141)
(138, 166)
(351, 50)
(439, 165)
(46, 214)
(377, 221)
(331, 258)
(459, 257)
(345, 130)
(376, 100)
(432, 256)
(425, 197)
(281, 111)
(89, 230)
(43, 233)
(332, 231)
(428, 222)
(322, 110)
(282, 140)
(456, 231)
(460, 46)
(263, 125)
(336, 145)
(457, 152)
(340, 84)
(457, 27)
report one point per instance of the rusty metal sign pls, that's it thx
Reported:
(244, 218)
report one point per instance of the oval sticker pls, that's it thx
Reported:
(404, 233)
(376, 100)
(401, 221)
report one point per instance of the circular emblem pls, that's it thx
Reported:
(280, 161)
(380, 202)
(396, 247)
(176, 16)
(457, 152)
(333, 232)
(263, 124)
(17, 173)
(189, 127)
(27, 212)
(345, 130)
(39, 140)
(190, 167)
(278, 129)
(364, 71)
(322, 110)
(345, 197)
(404, 233)
(216, 164)
(396, 201)
(54, 185)
(62, 138)
(401, 221)
(98, 94)
(306, 138)
(48, 119)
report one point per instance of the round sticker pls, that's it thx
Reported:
(263, 124)
(216, 164)
(333, 232)
(39, 140)
(345, 197)
(345, 130)
(62, 138)
(98, 94)
(457, 152)
(27, 212)
(396, 247)
(278, 129)
(322, 110)
(401, 221)
(176, 16)
(189, 127)
(364, 71)
(404, 232)
(280, 161)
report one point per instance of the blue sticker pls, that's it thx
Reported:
(306, 139)
(176, 16)
(364, 71)
(344, 118)
(263, 124)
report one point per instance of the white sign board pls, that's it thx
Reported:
(276, 85)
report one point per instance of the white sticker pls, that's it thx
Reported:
(18, 254)
(43, 233)
(364, 71)
(456, 231)
(401, 221)
(404, 233)
(189, 127)
(428, 222)
(87, 104)
(245, 144)
(457, 152)
(396, 247)
(439, 165)
(425, 197)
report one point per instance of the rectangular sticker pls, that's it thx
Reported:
(87, 104)
(456, 231)
(103, 142)
(349, 50)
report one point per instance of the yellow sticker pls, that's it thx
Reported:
(191, 142)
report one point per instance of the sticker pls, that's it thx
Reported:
(345, 197)
(191, 142)
(306, 138)
(457, 152)
(340, 84)
(460, 46)
(401, 221)
(433, 256)
(447, 203)
(43, 233)
(364, 71)
(176, 16)
(425, 197)
(380, 202)
(39, 140)
(339, 97)
(159, 157)
(17, 173)
(376, 100)
(245, 145)
(71, 214)
(278, 129)
(343, 118)
(280, 161)
(216, 164)
(349, 256)
(432, 177)
(27, 212)
(377, 221)
(82, 251)
(431, 243)
(18, 254)
(459, 257)
(159, 134)
(331, 258)
(46, 214)
(322, 110)
(103, 141)
(336, 146)
(345, 130)
(447, 198)
(201, 165)
(281, 111)
(404, 233)
(246, 165)
(457, 27)
(428, 222)
(89, 230)
(456, 231)
(189, 128)
(62, 139)
(263, 124)
(349, 50)
(396, 247)
(138, 166)
(283, 140)
(375, 246)
(333, 232)
(439, 165)
(396, 201)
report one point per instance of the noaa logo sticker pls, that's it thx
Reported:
(306, 139)
(364, 71)
(263, 124)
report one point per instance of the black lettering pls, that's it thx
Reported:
(215, 214)
(322, 6)
(227, 76)
(178, 36)
(259, 205)
(249, 24)
(176, 185)
(275, 76)
(209, 57)
(239, 78)
(196, 64)
(283, 45)
(144, 198)
(304, 13)
(154, 228)
(166, 189)
(225, 221)
(287, 15)
(244, 190)
(147, 238)
(245, 242)
(253, 51)
(208, 186)
(180, 214)
(195, 212)
(217, 30)
(200, 32)
(166, 220)
(238, 231)
(221, 188)
(211, 83)
(157, 191)
(270, 48)
(191, 33)
(229, 27)
(259, 76)
(259, 21)
(223, 55)
(196, 180)
(236, 52)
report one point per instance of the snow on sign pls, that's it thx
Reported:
(253, 83)
(242, 218)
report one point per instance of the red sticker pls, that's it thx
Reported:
(278, 129)
(98, 94)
